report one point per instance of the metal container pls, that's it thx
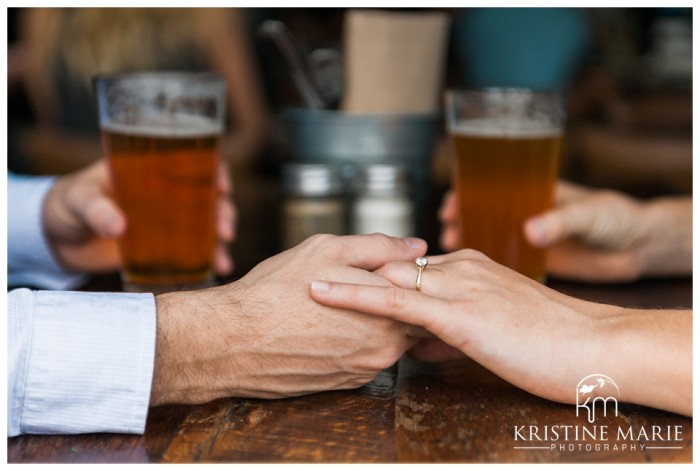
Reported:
(354, 140)
(328, 135)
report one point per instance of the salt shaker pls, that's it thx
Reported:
(313, 202)
(381, 202)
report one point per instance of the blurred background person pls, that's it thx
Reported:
(626, 74)
(626, 77)
(602, 235)
(538, 48)
(630, 108)
(59, 51)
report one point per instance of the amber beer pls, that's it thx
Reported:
(503, 178)
(166, 185)
(160, 135)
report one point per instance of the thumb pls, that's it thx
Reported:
(90, 201)
(103, 217)
(560, 223)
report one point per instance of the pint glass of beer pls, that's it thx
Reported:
(161, 134)
(507, 144)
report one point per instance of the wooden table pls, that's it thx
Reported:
(412, 412)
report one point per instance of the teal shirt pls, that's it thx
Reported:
(536, 48)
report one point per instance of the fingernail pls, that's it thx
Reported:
(413, 243)
(320, 286)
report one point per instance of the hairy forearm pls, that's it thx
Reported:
(182, 365)
(166, 358)
(649, 354)
(206, 348)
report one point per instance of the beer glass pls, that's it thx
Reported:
(161, 134)
(507, 144)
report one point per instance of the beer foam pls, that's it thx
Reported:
(517, 128)
(178, 125)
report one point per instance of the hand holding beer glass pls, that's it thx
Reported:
(161, 135)
(507, 144)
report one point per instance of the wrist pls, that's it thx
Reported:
(54, 215)
(175, 380)
(667, 248)
(167, 320)
(195, 360)
(649, 355)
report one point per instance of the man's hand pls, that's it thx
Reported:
(263, 336)
(82, 221)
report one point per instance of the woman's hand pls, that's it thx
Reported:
(602, 235)
(525, 332)
(530, 335)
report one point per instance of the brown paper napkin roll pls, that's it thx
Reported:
(394, 61)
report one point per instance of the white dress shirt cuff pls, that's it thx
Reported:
(90, 363)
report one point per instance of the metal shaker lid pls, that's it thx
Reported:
(382, 179)
(312, 180)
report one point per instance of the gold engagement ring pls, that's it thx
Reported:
(421, 263)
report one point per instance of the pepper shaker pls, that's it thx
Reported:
(313, 202)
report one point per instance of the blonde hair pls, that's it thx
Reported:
(106, 40)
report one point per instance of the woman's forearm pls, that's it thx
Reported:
(649, 355)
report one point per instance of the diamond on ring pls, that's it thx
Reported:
(421, 263)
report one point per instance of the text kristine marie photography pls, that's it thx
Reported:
(596, 396)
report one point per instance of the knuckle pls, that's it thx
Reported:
(383, 240)
(382, 348)
(319, 240)
(389, 269)
(387, 359)
(396, 298)
(382, 359)
(472, 254)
